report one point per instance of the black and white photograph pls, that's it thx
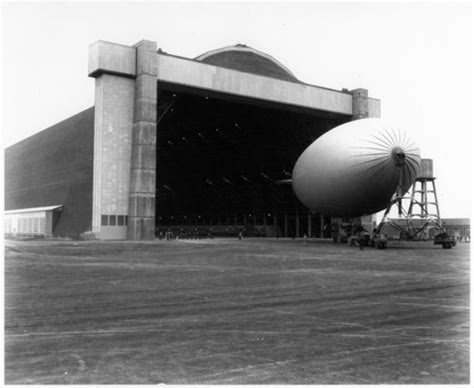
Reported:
(236, 192)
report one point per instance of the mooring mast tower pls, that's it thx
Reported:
(423, 210)
(424, 200)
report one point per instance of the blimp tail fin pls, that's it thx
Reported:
(284, 182)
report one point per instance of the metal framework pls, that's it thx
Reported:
(423, 210)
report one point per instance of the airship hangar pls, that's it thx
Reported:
(177, 142)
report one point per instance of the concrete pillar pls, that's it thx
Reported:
(114, 69)
(360, 104)
(141, 205)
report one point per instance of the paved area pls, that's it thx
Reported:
(257, 311)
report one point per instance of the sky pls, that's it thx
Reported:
(415, 57)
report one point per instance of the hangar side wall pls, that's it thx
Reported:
(112, 153)
(55, 167)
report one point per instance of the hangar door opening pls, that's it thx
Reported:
(219, 158)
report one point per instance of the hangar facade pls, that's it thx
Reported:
(173, 142)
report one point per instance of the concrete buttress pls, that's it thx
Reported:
(141, 205)
(360, 104)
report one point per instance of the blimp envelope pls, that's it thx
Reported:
(355, 168)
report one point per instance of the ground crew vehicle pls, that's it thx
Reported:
(379, 241)
(445, 240)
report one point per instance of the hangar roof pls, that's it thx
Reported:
(35, 209)
(249, 60)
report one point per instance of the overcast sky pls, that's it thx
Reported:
(416, 58)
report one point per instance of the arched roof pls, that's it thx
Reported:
(247, 59)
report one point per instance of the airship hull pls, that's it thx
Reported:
(355, 168)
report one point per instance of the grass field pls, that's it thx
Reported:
(259, 311)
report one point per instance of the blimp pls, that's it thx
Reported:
(356, 168)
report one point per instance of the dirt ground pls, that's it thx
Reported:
(223, 311)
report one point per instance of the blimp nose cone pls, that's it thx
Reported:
(398, 155)
(355, 168)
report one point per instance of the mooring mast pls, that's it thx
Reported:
(423, 210)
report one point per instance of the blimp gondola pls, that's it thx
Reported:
(356, 168)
